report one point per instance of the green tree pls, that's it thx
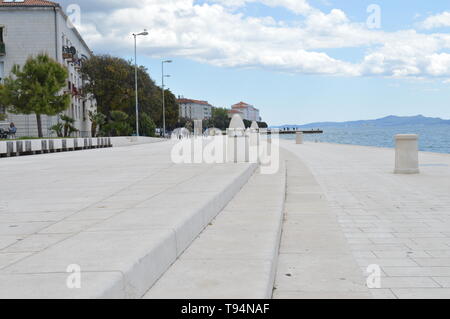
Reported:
(262, 125)
(118, 126)
(219, 119)
(58, 129)
(68, 127)
(146, 125)
(2, 107)
(111, 81)
(97, 120)
(35, 88)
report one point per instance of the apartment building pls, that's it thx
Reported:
(246, 111)
(194, 109)
(31, 27)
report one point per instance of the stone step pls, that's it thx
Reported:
(123, 256)
(236, 255)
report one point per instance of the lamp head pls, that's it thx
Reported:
(142, 33)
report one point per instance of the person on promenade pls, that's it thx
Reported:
(12, 130)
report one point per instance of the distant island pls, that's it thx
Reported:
(388, 121)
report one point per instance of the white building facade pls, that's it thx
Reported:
(194, 109)
(31, 27)
(247, 111)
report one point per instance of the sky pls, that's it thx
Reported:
(298, 61)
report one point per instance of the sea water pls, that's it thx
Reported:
(432, 138)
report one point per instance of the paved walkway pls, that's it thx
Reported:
(125, 215)
(315, 260)
(122, 214)
(399, 222)
(236, 255)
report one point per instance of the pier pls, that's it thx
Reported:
(286, 132)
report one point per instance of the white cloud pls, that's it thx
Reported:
(221, 35)
(296, 6)
(436, 21)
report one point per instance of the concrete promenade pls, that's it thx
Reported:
(399, 222)
(138, 225)
(122, 215)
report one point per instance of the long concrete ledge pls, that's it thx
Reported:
(42, 146)
(123, 256)
(236, 256)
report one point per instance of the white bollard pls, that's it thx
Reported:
(299, 138)
(198, 128)
(406, 154)
(3, 148)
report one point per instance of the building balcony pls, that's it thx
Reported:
(2, 48)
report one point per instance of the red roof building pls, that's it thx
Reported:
(194, 109)
(247, 111)
(28, 3)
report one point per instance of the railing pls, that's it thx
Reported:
(2, 48)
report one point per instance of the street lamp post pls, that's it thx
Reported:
(163, 98)
(135, 35)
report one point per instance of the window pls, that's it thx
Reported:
(1, 34)
(2, 70)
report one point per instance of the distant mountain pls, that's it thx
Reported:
(391, 120)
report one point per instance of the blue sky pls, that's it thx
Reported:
(297, 64)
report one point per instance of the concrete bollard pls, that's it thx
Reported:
(58, 145)
(51, 146)
(198, 128)
(3, 149)
(28, 149)
(299, 137)
(70, 146)
(406, 154)
(44, 146)
(9, 149)
(19, 147)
